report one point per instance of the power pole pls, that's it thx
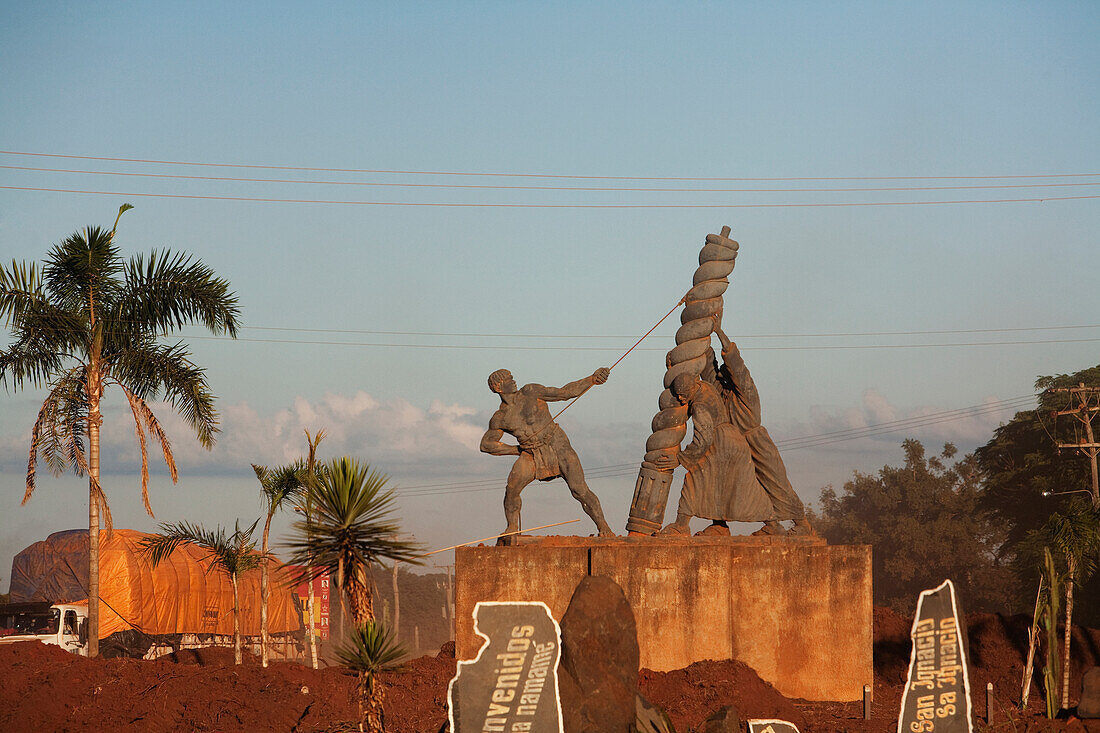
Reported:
(1087, 404)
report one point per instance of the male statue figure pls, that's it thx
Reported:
(544, 450)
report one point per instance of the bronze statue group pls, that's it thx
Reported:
(734, 472)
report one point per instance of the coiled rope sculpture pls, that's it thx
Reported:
(690, 355)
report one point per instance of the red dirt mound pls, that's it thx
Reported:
(689, 695)
(43, 688)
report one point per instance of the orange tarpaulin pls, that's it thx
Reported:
(178, 596)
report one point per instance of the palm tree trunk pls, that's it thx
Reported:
(339, 592)
(94, 421)
(396, 605)
(312, 626)
(374, 718)
(363, 688)
(265, 639)
(236, 622)
(1072, 567)
(359, 597)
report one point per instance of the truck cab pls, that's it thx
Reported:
(61, 624)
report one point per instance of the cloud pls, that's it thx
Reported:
(392, 435)
(877, 419)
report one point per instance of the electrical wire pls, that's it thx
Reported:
(517, 347)
(542, 175)
(791, 444)
(501, 187)
(588, 336)
(486, 205)
(513, 347)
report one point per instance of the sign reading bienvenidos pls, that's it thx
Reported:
(512, 685)
(772, 726)
(937, 690)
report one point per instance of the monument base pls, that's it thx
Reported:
(795, 609)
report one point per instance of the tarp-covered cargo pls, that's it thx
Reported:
(178, 596)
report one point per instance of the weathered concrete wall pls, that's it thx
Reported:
(796, 610)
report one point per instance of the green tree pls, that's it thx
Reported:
(924, 524)
(88, 320)
(232, 554)
(1022, 461)
(1024, 479)
(278, 486)
(370, 650)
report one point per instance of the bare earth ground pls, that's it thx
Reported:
(46, 689)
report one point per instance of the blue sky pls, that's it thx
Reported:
(927, 94)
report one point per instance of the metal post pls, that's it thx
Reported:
(989, 703)
(866, 702)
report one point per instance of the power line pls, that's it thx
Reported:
(513, 347)
(606, 336)
(574, 336)
(484, 205)
(542, 175)
(516, 347)
(512, 187)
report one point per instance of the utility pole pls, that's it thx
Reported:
(1087, 401)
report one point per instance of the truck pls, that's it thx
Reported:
(60, 624)
(144, 610)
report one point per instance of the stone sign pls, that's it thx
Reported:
(771, 726)
(937, 690)
(512, 685)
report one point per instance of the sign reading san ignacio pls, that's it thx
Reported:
(937, 691)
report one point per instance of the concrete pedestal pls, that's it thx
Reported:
(795, 609)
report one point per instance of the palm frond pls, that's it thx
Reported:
(60, 426)
(144, 419)
(280, 484)
(29, 361)
(20, 288)
(81, 273)
(165, 370)
(167, 291)
(232, 554)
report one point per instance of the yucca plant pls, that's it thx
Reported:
(370, 649)
(87, 320)
(349, 526)
(232, 554)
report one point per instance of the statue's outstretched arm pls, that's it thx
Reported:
(569, 391)
(734, 363)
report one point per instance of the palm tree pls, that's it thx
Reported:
(312, 441)
(1075, 536)
(278, 486)
(347, 528)
(370, 650)
(87, 320)
(231, 554)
